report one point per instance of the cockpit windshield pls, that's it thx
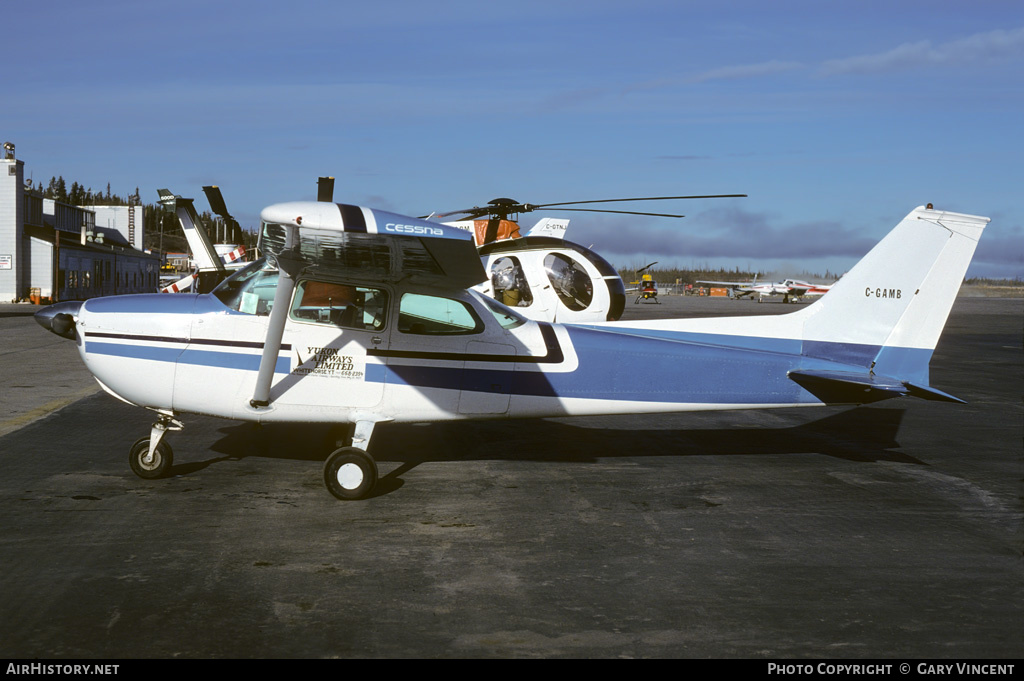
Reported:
(251, 289)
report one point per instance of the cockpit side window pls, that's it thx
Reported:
(509, 283)
(348, 306)
(250, 289)
(570, 281)
(433, 316)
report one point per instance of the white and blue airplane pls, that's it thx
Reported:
(361, 317)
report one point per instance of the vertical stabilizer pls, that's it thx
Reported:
(888, 311)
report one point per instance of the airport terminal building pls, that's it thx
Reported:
(52, 251)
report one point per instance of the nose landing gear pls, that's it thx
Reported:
(151, 458)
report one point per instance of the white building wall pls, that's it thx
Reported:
(124, 219)
(40, 274)
(11, 229)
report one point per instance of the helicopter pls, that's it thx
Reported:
(544, 276)
(648, 288)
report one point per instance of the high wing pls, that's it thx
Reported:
(735, 285)
(334, 238)
(367, 242)
(802, 288)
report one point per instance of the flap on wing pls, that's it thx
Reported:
(346, 240)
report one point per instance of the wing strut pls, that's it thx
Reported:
(289, 264)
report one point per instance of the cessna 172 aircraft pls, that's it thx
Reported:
(361, 317)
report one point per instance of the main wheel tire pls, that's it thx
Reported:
(350, 474)
(159, 467)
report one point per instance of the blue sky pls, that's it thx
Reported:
(836, 118)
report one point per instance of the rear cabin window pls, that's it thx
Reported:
(344, 305)
(436, 316)
(507, 317)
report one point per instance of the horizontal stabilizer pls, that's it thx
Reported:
(850, 387)
(929, 393)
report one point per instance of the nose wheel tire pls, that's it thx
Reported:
(350, 474)
(160, 465)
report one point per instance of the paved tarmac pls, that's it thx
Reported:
(892, 531)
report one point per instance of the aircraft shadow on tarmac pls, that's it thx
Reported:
(859, 434)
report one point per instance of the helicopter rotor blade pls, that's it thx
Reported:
(621, 212)
(505, 207)
(642, 198)
(473, 212)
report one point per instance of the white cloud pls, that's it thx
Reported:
(980, 47)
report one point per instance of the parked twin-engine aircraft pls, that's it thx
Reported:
(791, 290)
(362, 317)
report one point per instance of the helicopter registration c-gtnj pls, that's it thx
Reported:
(351, 319)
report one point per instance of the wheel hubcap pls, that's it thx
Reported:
(350, 476)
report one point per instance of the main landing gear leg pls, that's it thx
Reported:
(350, 472)
(151, 457)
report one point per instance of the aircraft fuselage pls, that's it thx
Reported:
(194, 354)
